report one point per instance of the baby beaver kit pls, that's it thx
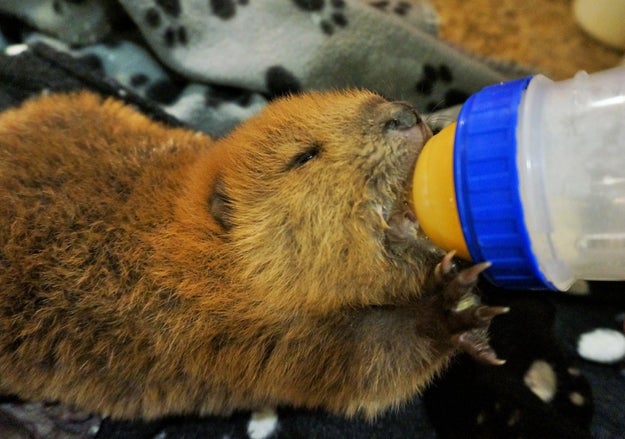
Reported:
(148, 270)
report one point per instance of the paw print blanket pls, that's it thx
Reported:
(210, 64)
(214, 63)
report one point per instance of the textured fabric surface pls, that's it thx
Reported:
(215, 63)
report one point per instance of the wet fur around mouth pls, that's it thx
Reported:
(150, 271)
(398, 213)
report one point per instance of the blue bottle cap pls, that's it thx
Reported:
(487, 187)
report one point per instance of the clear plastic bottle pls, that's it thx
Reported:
(532, 178)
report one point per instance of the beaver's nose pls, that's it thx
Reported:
(402, 117)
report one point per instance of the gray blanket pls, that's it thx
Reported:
(214, 63)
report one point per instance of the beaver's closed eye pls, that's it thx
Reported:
(304, 157)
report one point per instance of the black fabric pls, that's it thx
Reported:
(409, 422)
(43, 69)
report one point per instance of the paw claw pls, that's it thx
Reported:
(470, 275)
(476, 346)
(446, 267)
(467, 319)
(487, 313)
(471, 316)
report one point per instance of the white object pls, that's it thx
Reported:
(603, 20)
(571, 162)
(542, 380)
(602, 345)
(262, 424)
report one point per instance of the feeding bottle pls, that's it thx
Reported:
(531, 177)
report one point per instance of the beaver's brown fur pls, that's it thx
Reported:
(147, 271)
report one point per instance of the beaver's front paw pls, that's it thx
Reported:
(467, 319)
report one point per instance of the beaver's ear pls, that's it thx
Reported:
(220, 205)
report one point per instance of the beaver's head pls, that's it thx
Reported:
(312, 198)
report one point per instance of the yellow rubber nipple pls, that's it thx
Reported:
(434, 195)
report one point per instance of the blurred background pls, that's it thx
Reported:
(542, 34)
